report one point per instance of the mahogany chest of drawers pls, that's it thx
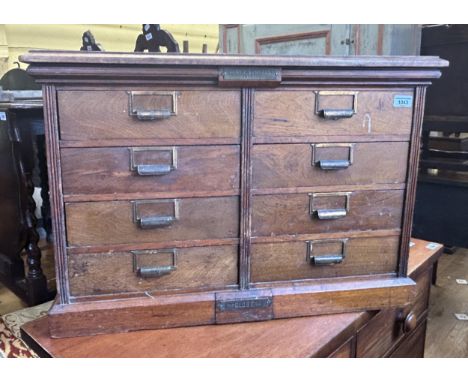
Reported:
(190, 190)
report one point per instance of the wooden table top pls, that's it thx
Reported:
(297, 337)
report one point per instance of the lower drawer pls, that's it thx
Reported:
(151, 221)
(160, 270)
(292, 214)
(323, 258)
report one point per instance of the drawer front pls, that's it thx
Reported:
(323, 258)
(413, 345)
(160, 270)
(310, 113)
(150, 169)
(119, 114)
(379, 335)
(344, 351)
(304, 165)
(151, 221)
(389, 326)
(291, 214)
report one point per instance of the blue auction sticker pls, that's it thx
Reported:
(403, 101)
(2, 116)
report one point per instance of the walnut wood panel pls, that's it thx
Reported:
(105, 115)
(379, 335)
(112, 272)
(413, 345)
(344, 351)
(292, 113)
(290, 165)
(97, 223)
(290, 214)
(289, 261)
(387, 328)
(107, 170)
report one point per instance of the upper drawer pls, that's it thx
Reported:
(151, 221)
(122, 114)
(150, 169)
(325, 112)
(304, 165)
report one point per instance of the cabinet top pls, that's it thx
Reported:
(113, 58)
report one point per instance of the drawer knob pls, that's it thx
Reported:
(408, 321)
(139, 101)
(329, 213)
(148, 272)
(335, 113)
(327, 258)
(151, 221)
(332, 164)
(152, 169)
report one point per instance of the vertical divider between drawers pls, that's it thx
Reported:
(247, 102)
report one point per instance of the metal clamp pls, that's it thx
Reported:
(335, 114)
(333, 164)
(153, 169)
(154, 221)
(151, 115)
(147, 272)
(329, 258)
(332, 213)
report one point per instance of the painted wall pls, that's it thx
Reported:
(16, 39)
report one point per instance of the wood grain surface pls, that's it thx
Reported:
(292, 113)
(107, 170)
(104, 115)
(113, 273)
(290, 165)
(289, 261)
(96, 223)
(289, 214)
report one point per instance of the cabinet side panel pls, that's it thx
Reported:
(56, 194)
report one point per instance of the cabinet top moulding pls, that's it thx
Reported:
(71, 66)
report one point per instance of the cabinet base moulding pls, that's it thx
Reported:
(259, 304)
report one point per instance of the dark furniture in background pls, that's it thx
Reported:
(22, 167)
(441, 211)
(388, 333)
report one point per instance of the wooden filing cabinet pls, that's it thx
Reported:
(192, 190)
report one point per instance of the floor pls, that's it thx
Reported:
(446, 335)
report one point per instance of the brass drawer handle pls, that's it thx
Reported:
(329, 213)
(144, 114)
(332, 164)
(329, 258)
(148, 272)
(155, 169)
(154, 221)
(335, 114)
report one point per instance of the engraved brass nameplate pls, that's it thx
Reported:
(249, 76)
(243, 303)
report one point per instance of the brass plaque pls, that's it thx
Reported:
(250, 76)
(243, 303)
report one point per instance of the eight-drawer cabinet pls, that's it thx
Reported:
(189, 190)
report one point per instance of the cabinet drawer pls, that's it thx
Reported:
(304, 165)
(324, 258)
(86, 115)
(292, 214)
(311, 113)
(160, 270)
(151, 221)
(150, 169)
